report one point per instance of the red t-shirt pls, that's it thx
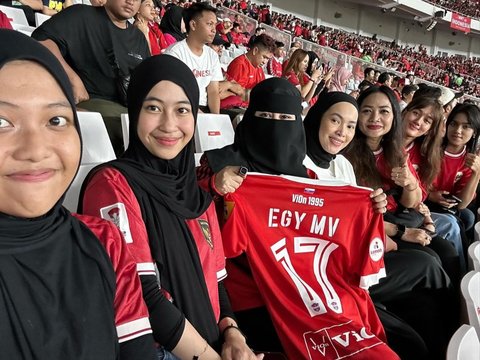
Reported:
(274, 67)
(109, 196)
(313, 250)
(453, 175)
(157, 40)
(131, 314)
(244, 73)
(388, 183)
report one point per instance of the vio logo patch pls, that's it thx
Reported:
(206, 231)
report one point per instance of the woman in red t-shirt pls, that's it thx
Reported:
(144, 21)
(295, 72)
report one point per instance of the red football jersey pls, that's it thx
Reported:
(131, 314)
(454, 175)
(109, 196)
(313, 249)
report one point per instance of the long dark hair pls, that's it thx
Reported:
(360, 155)
(473, 115)
(430, 143)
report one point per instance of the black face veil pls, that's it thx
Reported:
(267, 145)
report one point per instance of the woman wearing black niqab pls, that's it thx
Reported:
(262, 144)
(170, 221)
(270, 139)
(64, 285)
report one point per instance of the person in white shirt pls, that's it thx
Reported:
(200, 22)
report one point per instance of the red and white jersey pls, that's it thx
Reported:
(131, 314)
(109, 196)
(388, 183)
(313, 247)
(454, 175)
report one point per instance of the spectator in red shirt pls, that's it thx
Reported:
(295, 72)
(237, 36)
(247, 69)
(274, 65)
(144, 21)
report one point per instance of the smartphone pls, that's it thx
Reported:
(452, 197)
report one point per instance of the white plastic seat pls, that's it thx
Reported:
(40, 18)
(97, 149)
(464, 344)
(470, 287)
(125, 129)
(15, 15)
(197, 158)
(476, 232)
(474, 256)
(213, 131)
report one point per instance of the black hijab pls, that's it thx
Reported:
(56, 281)
(168, 194)
(312, 126)
(172, 22)
(266, 145)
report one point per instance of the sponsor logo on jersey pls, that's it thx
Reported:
(214, 133)
(458, 176)
(117, 214)
(376, 249)
(206, 231)
(309, 191)
(338, 341)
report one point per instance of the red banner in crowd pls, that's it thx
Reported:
(460, 22)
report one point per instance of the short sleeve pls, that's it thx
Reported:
(369, 262)
(217, 69)
(109, 197)
(131, 314)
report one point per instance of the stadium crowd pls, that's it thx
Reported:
(465, 7)
(369, 272)
(457, 72)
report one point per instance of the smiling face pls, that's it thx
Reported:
(166, 123)
(39, 145)
(459, 132)
(376, 116)
(337, 127)
(418, 122)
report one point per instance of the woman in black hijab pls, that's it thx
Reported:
(64, 281)
(172, 25)
(170, 222)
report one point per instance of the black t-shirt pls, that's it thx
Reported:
(92, 45)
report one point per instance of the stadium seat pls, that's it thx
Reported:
(15, 15)
(97, 149)
(470, 287)
(125, 131)
(213, 131)
(40, 18)
(464, 344)
(476, 233)
(474, 256)
(197, 158)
